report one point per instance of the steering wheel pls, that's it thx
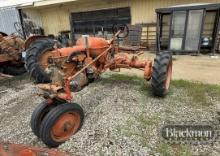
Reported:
(123, 28)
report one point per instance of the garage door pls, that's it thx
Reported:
(98, 23)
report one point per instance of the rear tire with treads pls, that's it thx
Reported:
(162, 73)
(34, 52)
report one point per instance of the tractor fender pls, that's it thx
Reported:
(32, 39)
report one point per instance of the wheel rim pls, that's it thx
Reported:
(168, 76)
(43, 60)
(65, 126)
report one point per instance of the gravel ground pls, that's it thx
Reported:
(121, 117)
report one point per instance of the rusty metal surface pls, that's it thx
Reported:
(66, 126)
(11, 48)
(8, 149)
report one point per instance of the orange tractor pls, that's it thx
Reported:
(61, 71)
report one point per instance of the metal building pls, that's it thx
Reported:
(55, 14)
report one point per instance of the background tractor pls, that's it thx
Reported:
(11, 48)
(61, 71)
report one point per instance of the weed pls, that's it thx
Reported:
(199, 92)
(164, 150)
(170, 150)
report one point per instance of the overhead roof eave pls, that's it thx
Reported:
(50, 2)
(42, 3)
(193, 6)
(25, 5)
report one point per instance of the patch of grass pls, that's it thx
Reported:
(164, 150)
(147, 121)
(141, 127)
(183, 150)
(128, 79)
(198, 91)
(132, 79)
(169, 150)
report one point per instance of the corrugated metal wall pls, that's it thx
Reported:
(8, 16)
(55, 18)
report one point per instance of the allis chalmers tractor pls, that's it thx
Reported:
(60, 71)
(11, 48)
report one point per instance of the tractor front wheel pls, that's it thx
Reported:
(38, 115)
(61, 123)
(162, 74)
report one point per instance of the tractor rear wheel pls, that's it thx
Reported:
(162, 74)
(37, 59)
(61, 123)
(38, 115)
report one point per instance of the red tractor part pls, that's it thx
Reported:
(7, 149)
(61, 71)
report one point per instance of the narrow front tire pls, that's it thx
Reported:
(61, 123)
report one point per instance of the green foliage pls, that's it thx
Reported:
(164, 150)
(199, 92)
(177, 150)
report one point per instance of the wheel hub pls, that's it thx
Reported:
(66, 126)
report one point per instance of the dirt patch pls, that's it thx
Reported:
(122, 117)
